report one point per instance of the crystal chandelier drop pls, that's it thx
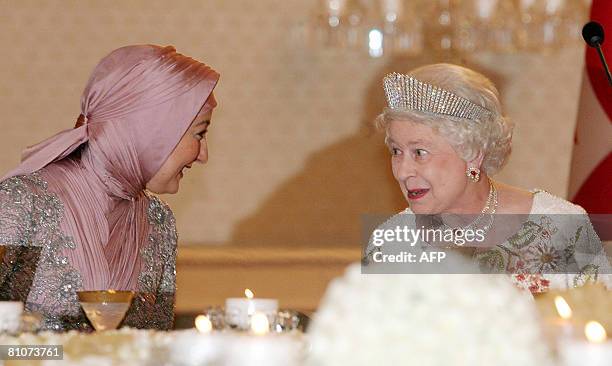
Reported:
(407, 27)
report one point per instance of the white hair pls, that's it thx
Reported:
(491, 135)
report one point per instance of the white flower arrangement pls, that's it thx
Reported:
(136, 347)
(126, 346)
(426, 319)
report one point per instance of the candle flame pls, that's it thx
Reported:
(203, 324)
(595, 332)
(563, 308)
(260, 324)
(248, 293)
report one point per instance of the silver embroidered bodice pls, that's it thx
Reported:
(34, 271)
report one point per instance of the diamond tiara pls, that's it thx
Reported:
(406, 92)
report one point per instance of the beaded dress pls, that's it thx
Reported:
(34, 271)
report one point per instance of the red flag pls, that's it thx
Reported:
(591, 172)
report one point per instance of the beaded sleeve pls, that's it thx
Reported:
(34, 271)
(153, 305)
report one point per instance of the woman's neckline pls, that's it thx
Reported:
(534, 194)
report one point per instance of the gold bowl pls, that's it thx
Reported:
(105, 309)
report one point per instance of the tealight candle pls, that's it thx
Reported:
(260, 324)
(560, 327)
(203, 324)
(239, 310)
(594, 352)
(565, 313)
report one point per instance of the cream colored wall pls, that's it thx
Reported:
(298, 277)
(291, 160)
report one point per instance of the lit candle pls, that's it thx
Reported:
(596, 351)
(563, 308)
(203, 324)
(239, 310)
(560, 327)
(595, 332)
(260, 324)
(565, 313)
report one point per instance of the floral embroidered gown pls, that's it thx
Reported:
(555, 248)
(34, 271)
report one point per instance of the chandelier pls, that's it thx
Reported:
(407, 27)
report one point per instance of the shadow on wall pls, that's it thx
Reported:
(322, 205)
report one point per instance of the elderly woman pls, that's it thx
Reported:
(79, 213)
(447, 136)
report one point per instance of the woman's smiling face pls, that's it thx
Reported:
(192, 148)
(430, 173)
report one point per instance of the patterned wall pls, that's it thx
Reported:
(293, 160)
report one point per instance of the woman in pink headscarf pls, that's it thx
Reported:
(77, 213)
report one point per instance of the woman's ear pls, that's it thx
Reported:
(477, 161)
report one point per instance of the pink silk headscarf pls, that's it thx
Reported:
(138, 103)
